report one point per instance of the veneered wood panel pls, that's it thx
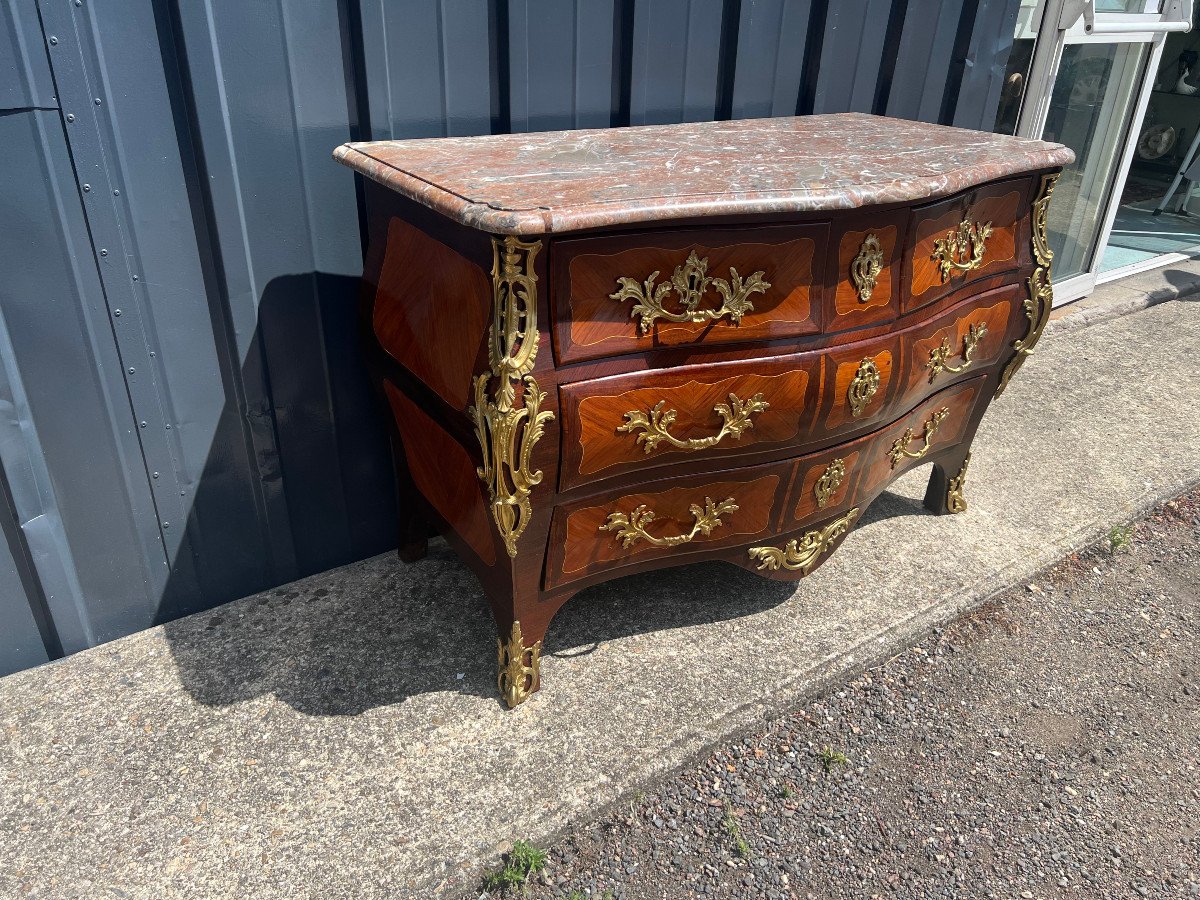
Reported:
(585, 546)
(586, 272)
(431, 310)
(804, 503)
(1003, 205)
(877, 468)
(842, 367)
(444, 474)
(593, 411)
(848, 309)
(919, 343)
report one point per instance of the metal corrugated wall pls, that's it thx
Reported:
(187, 419)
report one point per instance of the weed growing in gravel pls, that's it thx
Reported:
(523, 860)
(787, 792)
(830, 758)
(1119, 537)
(734, 830)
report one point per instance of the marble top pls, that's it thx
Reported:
(560, 181)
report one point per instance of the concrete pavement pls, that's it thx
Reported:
(341, 736)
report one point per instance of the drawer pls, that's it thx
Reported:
(937, 423)
(960, 240)
(630, 293)
(865, 256)
(860, 380)
(833, 480)
(693, 514)
(966, 338)
(645, 420)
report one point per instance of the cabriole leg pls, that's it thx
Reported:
(947, 484)
(519, 665)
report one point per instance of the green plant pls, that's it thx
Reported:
(787, 791)
(830, 758)
(576, 895)
(1119, 537)
(734, 831)
(523, 860)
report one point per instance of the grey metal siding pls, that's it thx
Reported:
(187, 419)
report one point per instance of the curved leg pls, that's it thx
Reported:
(519, 647)
(947, 483)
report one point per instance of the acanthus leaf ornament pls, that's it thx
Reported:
(956, 501)
(801, 555)
(507, 433)
(939, 355)
(516, 677)
(631, 527)
(1040, 298)
(655, 424)
(962, 249)
(900, 447)
(865, 269)
(690, 283)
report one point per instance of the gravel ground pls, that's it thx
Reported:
(1044, 746)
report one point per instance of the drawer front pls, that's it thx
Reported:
(631, 293)
(965, 238)
(649, 419)
(859, 382)
(865, 256)
(833, 480)
(963, 340)
(937, 423)
(694, 515)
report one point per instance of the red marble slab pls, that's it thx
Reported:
(559, 181)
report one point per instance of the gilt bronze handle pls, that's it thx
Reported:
(938, 355)
(655, 424)
(690, 283)
(962, 249)
(900, 447)
(631, 528)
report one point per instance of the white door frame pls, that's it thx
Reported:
(1147, 27)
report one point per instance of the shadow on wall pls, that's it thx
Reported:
(376, 633)
(297, 478)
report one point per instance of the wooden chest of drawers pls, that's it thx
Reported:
(611, 351)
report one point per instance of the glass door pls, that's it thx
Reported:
(1078, 75)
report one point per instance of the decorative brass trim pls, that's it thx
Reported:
(962, 249)
(864, 271)
(631, 528)
(516, 678)
(507, 433)
(900, 447)
(830, 481)
(802, 555)
(690, 282)
(938, 355)
(955, 501)
(656, 423)
(863, 386)
(1041, 294)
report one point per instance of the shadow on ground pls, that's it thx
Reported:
(376, 632)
